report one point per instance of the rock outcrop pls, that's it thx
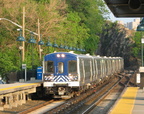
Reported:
(116, 41)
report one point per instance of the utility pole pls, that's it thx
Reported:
(39, 39)
(23, 33)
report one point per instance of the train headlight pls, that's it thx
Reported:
(73, 77)
(58, 55)
(62, 55)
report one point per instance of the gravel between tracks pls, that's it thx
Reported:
(104, 106)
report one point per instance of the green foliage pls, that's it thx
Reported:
(43, 1)
(9, 60)
(75, 34)
(136, 47)
(91, 13)
(75, 23)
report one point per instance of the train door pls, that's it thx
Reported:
(91, 70)
(99, 68)
(102, 69)
(83, 71)
(96, 70)
(61, 72)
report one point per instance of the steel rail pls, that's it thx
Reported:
(106, 94)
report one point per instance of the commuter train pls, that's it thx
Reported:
(67, 73)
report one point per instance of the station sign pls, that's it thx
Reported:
(138, 78)
(23, 66)
(142, 40)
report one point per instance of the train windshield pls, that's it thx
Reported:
(49, 67)
(72, 66)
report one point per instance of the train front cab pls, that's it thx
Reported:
(60, 73)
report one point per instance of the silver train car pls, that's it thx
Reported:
(67, 73)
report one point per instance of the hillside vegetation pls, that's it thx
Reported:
(118, 41)
(75, 23)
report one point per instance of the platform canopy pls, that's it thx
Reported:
(126, 8)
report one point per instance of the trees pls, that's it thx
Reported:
(9, 61)
(136, 47)
(75, 23)
(92, 14)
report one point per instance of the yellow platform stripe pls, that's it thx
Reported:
(18, 86)
(126, 102)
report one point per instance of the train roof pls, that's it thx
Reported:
(74, 55)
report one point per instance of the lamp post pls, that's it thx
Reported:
(140, 27)
(65, 47)
(48, 44)
(32, 41)
(55, 45)
(21, 39)
(40, 43)
(61, 46)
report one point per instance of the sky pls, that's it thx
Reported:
(125, 20)
(113, 18)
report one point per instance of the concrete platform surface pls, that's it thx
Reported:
(131, 102)
(4, 88)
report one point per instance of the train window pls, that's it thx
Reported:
(72, 66)
(60, 67)
(50, 66)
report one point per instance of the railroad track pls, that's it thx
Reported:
(117, 89)
(93, 97)
(77, 102)
(87, 100)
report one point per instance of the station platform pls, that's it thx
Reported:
(7, 88)
(14, 94)
(130, 102)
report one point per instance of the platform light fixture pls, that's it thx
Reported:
(32, 40)
(140, 27)
(66, 47)
(48, 44)
(55, 45)
(61, 46)
(40, 42)
(20, 37)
